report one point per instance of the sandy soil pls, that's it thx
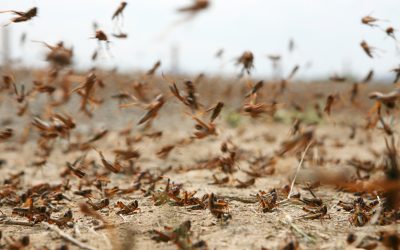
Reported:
(249, 227)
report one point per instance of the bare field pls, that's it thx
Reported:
(244, 207)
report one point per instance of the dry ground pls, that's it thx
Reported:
(249, 227)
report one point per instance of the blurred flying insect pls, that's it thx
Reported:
(191, 95)
(126, 154)
(368, 77)
(123, 96)
(114, 167)
(59, 55)
(94, 55)
(86, 90)
(153, 69)
(388, 99)
(20, 95)
(76, 170)
(284, 82)
(293, 72)
(120, 35)
(197, 6)
(6, 134)
(219, 53)
(88, 211)
(199, 78)
(370, 21)
(119, 11)
(99, 205)
(17, 244)
(390, 31)
(386, 127)
(21, 16)
(354, 92)
(254, 109)
(152, 108)
(245, 184)
(292, 45)
(397, 71)
(86, 145)
(101, 37)
(191, 12)
(216, 111)
(206, 129)
(254, 89)
(337, 78)
(118, 17)
(247, 62)
(367, 49)
(190, 99)
(22, 39)
(164, 151)
(8, 81)
(297, 142)
(274, 58)
(329, 102)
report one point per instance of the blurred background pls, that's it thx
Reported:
(326, 35)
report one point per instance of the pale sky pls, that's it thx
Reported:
(327, 34)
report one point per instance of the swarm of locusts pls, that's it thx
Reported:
(103, 160)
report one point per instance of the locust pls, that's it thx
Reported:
(246, 60)
(21, 16)
(203, 129)
(153, 69)
(114, 167)
(129, 209)
(370, 21)
(190, 99)
(328, 105)
(86, 91)
(196, 7)
(388, 99)
(119, 11)
(368, 77)
(6, 134)
(367, 49)
(397, 72)
(59, 55)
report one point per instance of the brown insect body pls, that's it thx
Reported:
(119, 11)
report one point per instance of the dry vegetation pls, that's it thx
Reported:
(103, 160)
